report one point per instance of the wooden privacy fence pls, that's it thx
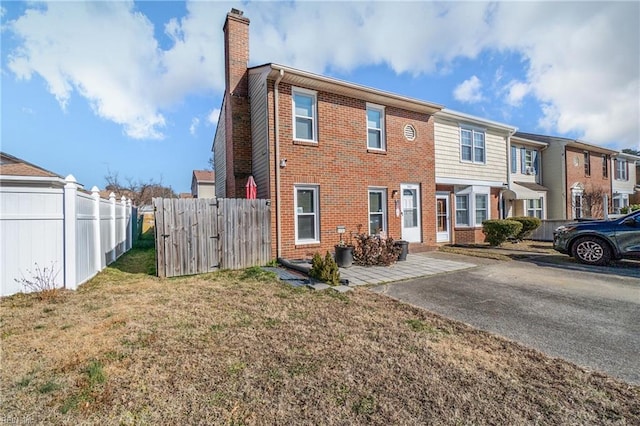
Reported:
(195, 236)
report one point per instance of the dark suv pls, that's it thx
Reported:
(598, 242)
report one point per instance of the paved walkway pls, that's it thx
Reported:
(416, 265)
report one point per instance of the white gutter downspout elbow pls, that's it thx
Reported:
(277, 164)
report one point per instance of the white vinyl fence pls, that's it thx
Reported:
(50, 223)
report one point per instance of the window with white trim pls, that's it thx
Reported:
(375, 127)
(514, 159)
(619, 202)
(587, 163)
(622, 170)
(307, 216)
(462, 210)
(472, 146)
(534, 208)
(605, 166)
(576, 201)
(305, 113)
(377, 211)
(481, 208)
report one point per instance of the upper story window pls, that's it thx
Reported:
(622, 169)
(375, 127)
(305, 112)
(587, 164)
(472, 146)
(605, 166)
(514, 159)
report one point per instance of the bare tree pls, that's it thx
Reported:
(140, 192)
(593, 201)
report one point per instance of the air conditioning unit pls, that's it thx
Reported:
(530, 171)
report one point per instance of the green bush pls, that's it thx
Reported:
(497, 231)
(325, 270)
(529, 224)
(630, 208)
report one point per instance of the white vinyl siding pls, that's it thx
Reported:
(448, 154)
(377, 211)
(307, 215)
(375, 127)
(305, 115)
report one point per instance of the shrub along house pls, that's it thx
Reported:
(326, 152)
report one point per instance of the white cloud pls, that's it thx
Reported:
(469, 91)
(516, 91)
(195, 122)
(213, 116)
(581, 59)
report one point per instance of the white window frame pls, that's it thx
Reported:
(621, 169)
(535, 210)
(514, 159)
(467, 210)
(476, 209)
(474, 145)
(622, 200)
(577, 203)
(315, 213)
(383, 213)
(314, 113)
(380, 110)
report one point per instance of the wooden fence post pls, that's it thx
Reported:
(97, 246)
(69, 256)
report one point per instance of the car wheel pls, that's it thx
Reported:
(591, 250)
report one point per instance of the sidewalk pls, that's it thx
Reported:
(416, 265)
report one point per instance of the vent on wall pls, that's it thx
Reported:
(409, 132)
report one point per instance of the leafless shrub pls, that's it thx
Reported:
(41, 281)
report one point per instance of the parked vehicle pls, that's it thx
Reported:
(600, 241)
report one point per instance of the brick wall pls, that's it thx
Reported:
(344, 169)
(238, 119)
(575, 166)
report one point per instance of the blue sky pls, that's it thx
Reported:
(134, 88)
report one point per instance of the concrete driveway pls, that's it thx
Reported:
(589, 316)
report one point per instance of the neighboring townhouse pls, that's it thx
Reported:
(203, 184)
(329, 154)
(624, 183)
(471, 174)
(526, 195)
(576, 174)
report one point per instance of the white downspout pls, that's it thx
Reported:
(276, 119)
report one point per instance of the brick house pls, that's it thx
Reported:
(471, 174)
(326, 152)
(576, 174)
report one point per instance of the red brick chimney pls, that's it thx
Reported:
(236, 103)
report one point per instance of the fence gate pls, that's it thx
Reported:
(195, 236)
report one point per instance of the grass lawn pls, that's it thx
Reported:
(241, 348)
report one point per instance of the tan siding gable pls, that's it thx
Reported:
(449, 164)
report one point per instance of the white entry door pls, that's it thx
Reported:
(442, 218)
(411, 212)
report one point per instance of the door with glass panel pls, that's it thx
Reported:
(411, 230)
(442, 218)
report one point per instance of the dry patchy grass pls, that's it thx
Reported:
(507, 251)
(242, 348)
